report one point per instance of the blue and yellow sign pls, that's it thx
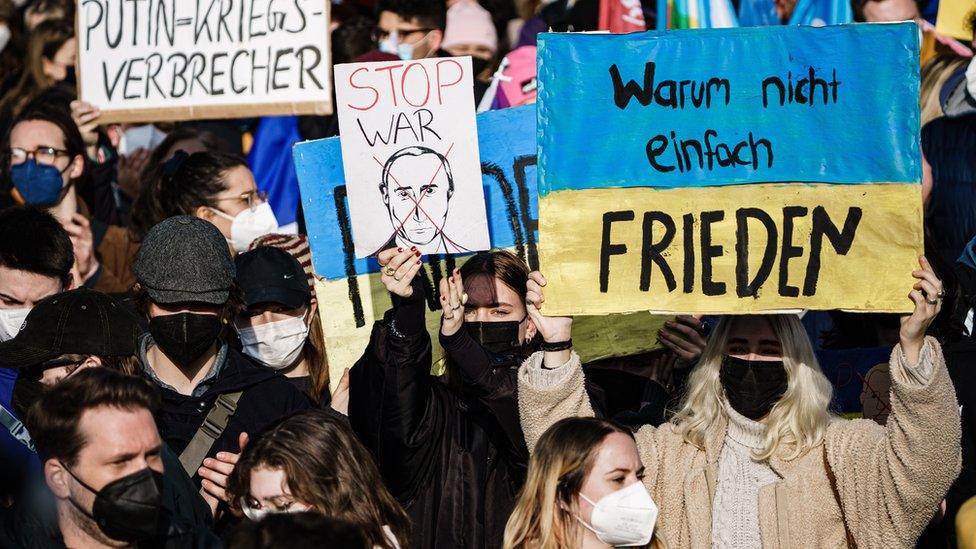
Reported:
(730, 170)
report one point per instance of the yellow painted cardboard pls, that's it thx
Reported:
(593, 337)
(952, 16)
(874, 275)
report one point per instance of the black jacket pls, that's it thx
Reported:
(949, 145)
(267, 398)
(454, 459)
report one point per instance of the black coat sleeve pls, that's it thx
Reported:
(495, 388)
(392, 403)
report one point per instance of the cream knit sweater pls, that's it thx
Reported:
(735, 510)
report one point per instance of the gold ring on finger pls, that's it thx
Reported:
(932, 301)
(389, 271)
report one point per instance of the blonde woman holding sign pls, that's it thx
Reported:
(754, 457)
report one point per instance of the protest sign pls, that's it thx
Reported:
(351, 294)
(410, 147)
(172, 60)
(809, 153)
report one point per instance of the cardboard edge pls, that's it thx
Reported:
(204, 112)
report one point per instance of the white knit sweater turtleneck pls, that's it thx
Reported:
(735, 511)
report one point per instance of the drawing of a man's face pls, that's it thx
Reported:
(417, 186)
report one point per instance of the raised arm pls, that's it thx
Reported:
(550, 383)
(892, 479)
(390, 397)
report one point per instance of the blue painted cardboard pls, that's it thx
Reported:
(861, 126)
(507, 144)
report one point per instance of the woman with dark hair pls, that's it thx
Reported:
(51, 52)
(281, 327)
(142, 166)
(311, 461)
(46, 166)
(451, 452)
(213, 186)
(584, 491)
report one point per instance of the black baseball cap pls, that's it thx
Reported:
(271, 275)
(81, 321)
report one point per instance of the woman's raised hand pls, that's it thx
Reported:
(927, 295)
(453, 300)
(397, 269)
(554, 329)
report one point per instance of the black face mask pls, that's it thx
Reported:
(127, 509)
(478, 65)
(753, 387)
(501, 338)
(184, 337)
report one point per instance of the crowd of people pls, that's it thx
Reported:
(164, 379)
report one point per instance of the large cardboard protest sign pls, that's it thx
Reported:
(176, 60)
(351, 295)
(410, 151)
(730, 170)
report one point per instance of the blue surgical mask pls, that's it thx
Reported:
(38, 184)
(389, 44)
(392, 45)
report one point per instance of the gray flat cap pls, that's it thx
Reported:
(185, 259)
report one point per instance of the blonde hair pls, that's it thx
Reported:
(545, 514)
(798, 420)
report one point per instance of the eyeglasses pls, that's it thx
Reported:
(37, 372)
(252, 198)
(42, 155)
(380, 34)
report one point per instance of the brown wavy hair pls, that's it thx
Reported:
(328, 468)
(44, 42)
(545, 514)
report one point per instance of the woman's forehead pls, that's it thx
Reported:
(752, 327)
(485, 290)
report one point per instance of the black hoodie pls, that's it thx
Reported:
(268, 397)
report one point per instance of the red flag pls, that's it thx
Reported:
(621, 16)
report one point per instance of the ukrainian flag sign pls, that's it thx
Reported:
(730, 170)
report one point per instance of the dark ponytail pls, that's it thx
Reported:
(180, 186)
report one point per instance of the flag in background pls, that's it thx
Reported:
(622, 16)
(271, 161)
(816, 13)
(819, 13)
(696, 14)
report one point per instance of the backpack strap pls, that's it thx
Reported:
(833, 488)
(210, 430)
(16, 428)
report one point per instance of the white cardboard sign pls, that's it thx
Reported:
(410, 155)
(178, 59)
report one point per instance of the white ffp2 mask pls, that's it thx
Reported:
(249, 225)
(276, 344)
(11, 320)
(623, 518)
